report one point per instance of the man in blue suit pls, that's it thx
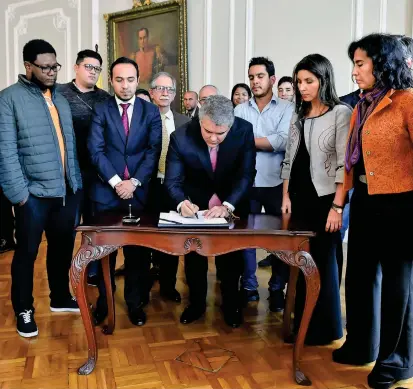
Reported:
(211, 166)
(125, 144)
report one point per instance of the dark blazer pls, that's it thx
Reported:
(352, 98)
(189, 170)
(180, 119)
(111, 150)
(196, 114)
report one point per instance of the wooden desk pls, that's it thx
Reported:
(276, 235)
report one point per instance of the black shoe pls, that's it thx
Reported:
(172, 295)
(6, 246)
(137, 316)
(120, 272)
(101, 311)
(93, 280)
(277, 300)
(26, 326)
(70, 305)
(249, 295)
(266, 261)
(377, 381)
(345, 356)
(190, 314)
(233, 317)
(154, 272)
(145, 300)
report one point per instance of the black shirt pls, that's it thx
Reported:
(81, 105)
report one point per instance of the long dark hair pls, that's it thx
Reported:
(389, 56)
(240, 85)
(321, 67)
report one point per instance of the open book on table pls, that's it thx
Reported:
(174, 219)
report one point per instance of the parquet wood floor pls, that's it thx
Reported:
(251, 357)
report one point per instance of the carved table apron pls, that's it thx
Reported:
(258, 231)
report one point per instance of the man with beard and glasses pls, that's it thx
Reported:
(270, 117)
(40, 175)
(125, 144)
(82, 94)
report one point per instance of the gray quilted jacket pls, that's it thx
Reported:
(30, 159)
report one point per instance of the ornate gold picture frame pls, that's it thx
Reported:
(155, 36)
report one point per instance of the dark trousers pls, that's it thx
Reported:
(87, 203)
(6, 222)
(137, 264)
(379, 281)
(270, 198)
(327, 252)
(196, 270)
(58, 221)
(86, 210)
(159, 201)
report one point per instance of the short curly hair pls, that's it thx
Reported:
(389, 55)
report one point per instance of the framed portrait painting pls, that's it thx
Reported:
(155, 36)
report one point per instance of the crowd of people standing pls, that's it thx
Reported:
(70, 151)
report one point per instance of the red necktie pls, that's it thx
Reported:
(125, 122)
(213, 155)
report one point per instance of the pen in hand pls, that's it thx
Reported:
(196, 215)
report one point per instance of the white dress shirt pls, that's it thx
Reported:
(116, 179)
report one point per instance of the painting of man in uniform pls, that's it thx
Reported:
(153, 42)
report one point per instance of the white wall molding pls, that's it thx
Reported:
(11, 9)
(10, 15)
(249, 34)
(231, 38)
(79, 23)
(207, 41)
(61, 23)
(95, 24)
(74, 3)
(383, 16)
(357, 15)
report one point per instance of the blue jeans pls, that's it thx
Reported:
(346, 216)
(271, 199)
(249, 279)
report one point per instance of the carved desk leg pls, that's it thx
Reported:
(306, 264)
(78, 278)
(289, 304)
(108, 329)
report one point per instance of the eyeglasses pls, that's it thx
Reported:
(48, 69)
(90, 67)
(202, 101)
(168, 89)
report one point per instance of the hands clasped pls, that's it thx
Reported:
(125, 189)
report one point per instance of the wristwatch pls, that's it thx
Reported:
(135, 182)
(337, 208)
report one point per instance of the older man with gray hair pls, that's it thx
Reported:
(206, 91)
(211, 166)
(163, 92)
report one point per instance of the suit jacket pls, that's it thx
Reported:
(111, 150)
(189, 171)
(180, 119)
(196, 114)
(352, 98)
(387, 143)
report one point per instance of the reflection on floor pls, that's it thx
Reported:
(164, 353)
